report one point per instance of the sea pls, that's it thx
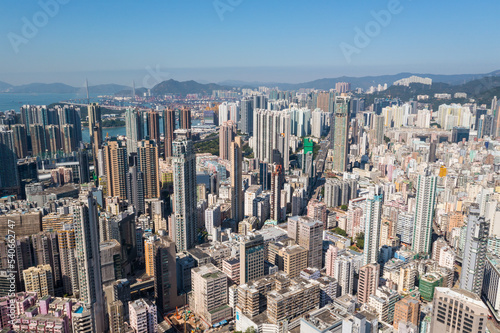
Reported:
(9, 101)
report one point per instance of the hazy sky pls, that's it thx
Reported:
(251, 40)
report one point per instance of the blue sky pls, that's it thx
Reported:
(257, 40)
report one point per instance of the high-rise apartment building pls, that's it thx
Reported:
(474, 258)
(153, 126)
(116, 167)
(227, 134)
(424, 213)
(69, 269)
(95, 129)
(168, 128)
(86, 223)
(135, 185)
(9, 176)
(341, 134)
(368, 281)
(277, 180)
(373, 222)
(147, 156)
(186, 120)
(237, 209)
(143, 316)
(246, 121)
(40, 280)
(134, 128)
(184, 165)
(406, 310)
(20, 140)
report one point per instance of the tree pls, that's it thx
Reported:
(360, 240)
(340, 231)
(344, 208)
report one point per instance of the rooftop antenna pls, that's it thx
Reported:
(87, 86)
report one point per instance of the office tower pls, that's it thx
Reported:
(251, 257)
(135, 185)
(424, 212)
(86, 223)
(67, 247)
(368, 281)
(115, 165)
(373, 221)
(134, 129)
(184, 165)
(236, 180)
(39, 279)
(272, 130)
(68, 138)
(153, 126)
(456, 310)
(168, 128)
(246, 122)
(53, 137)
(210, 293)
(46, 250)
(186, 119)
(95, 129)
(406, 310)
(162, 251)
(20, 140)
(341, 128)
(226, 137)
(277, 180)
(308, 233)
(231, 267)
(147, 156)
(9, 177)
(143, 316)
(378, 130)
(474, 259)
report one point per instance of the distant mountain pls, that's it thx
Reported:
(43, 88)
(366, 82)
(185, 87)
(4, 86)
(107, 88)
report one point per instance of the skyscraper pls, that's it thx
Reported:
(186, 120)
(373, 221)
(341, 133)
(68, 138)
(135, 185)
(424, 213)
(378, 130)
(69, 271)
(115, 161)
(226, 137)
(169, 128)
(184, 165)
(86, 222)
(147, 153)
(9, 177)
(53, 137)
(37, 136)
(277, 180)
(95, 129)
(20, 140)
(153, 126)
(236, 180)
(474, 259)
(247, 116)
(135, 129)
